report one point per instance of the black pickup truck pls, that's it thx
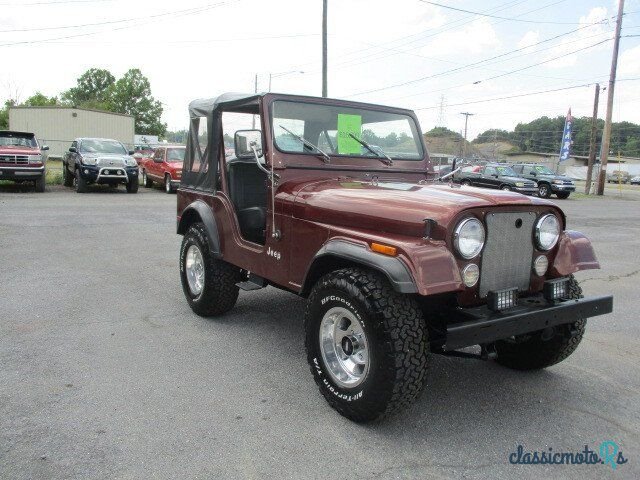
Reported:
(99, 161)
(495, 175)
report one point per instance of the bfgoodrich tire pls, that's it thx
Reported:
(546, 347)
(380, 367)
(132, 185)
(209, 284)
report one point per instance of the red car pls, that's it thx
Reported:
(21, 158)
(165, 167)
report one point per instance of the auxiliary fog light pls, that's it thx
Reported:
(86, 170)
(540, 265)
(470, 275)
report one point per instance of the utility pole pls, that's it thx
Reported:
(466, 121)
(255, 90)
(592, 140)
(606, 135)
(324, 48)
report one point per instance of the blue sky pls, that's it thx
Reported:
(407, 53)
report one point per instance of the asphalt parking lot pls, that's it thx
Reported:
(106, 373)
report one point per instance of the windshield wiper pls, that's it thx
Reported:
(378, 154)
(326, 159)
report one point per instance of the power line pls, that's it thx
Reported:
(463, 67)
(61, 2)
(507, 97)
(510, 19)
(126, 20)
(173, 14)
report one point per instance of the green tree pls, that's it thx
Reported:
(92, 89)
(40, 100)
(131, 94)
(4, 114)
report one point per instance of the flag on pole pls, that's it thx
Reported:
(565, 148)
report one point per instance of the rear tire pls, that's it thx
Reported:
(543, 348)
(361, 305)
(466, 183)
(218, 292)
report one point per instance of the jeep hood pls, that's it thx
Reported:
(395, 207)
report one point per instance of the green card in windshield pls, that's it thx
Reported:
(349, 124)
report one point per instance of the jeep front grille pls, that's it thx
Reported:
(14, 159)
(507, 254)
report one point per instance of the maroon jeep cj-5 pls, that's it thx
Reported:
(337, 202)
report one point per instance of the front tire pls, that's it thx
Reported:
(132, 185)
(563, 195)
(81, 183)
(506, 188)
(167, 184)
(67, 179)
(466, 183)
(208, 284)
(41, 183)
(366, 344)
(543, 348)
(146, 181)
(544, 190)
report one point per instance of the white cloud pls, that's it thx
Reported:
(529, 38)
(583, 38)
(629, 62)
(474, 38)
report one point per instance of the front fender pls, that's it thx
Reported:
(198, 211)
(575, 253)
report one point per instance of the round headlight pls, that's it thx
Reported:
(468, 238)
(540, 265)
(547, 231)
(470, 275)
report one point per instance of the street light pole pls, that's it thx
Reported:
(324, 48)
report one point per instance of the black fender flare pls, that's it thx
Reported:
(200, 211)
(393, 268)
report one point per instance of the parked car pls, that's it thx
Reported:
(635, 180)
(548, 181)
(142, 152)
(164, 167)
(495, 175)
(21, 158)
(618, 176)
(99, 161)
(394, 265)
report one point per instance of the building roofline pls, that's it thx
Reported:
(58, 107)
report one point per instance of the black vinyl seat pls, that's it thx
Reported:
(248, 191)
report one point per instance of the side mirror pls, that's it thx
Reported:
(532, 173)
(73, 149)
(137, 155)
(44, 147)
(495, 175)
(131, 152)
(245, 141)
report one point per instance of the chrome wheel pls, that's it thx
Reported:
(194, 269)
(167, 184)
(344, 348)
(144, 178)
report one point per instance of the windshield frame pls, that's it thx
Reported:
(410, 115)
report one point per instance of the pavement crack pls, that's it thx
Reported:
(612, 278)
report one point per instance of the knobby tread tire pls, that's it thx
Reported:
(536, 353)
(220, 292)
(398, 339)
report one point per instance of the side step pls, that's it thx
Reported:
(254, 282)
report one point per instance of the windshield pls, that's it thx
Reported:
(506, 172)
(330, 128)
(543, 170)
(175, 154)
(9, 139)
(103, 146)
